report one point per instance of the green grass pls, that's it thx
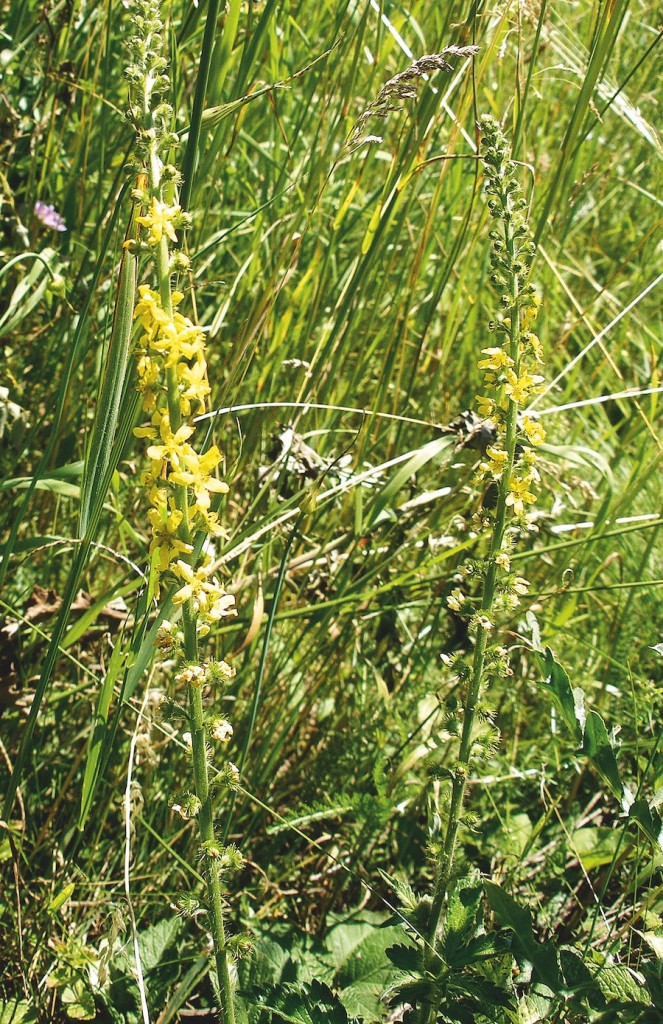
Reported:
(348, 296)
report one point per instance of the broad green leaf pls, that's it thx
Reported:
(568, 703)
(463, 912)
(598, 748)
(156, 940)
(313, 1003)
(345, 935)
(595, 846)
(543, 956)
(649, 820)
(17, 1011)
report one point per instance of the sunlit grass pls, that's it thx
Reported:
(354, 285)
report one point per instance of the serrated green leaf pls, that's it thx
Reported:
(463, 911)
(405, 958)
(155, 941)
(620, 984)
(367, 972)
(306, 1004)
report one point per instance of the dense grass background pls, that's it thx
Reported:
(347, 297)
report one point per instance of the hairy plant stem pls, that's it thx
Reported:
(445, 862)
(196, 715)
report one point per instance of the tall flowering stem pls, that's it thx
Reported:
(180, 480)
(511, 378)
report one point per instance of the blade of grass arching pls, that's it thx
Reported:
(71, 589)
(193, 141)
(222, 55)
(606, 37)
(114, 379)
(522, 100)
(260, 673)
(96, 738)
(18, 517)
(88, 618)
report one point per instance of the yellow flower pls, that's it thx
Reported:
(204, 590)
(195, 472)
(520, 388)
(165, 544)
(221, 730)
(503, 560)
(456, 600)
(519, 495)
(497, 464)
(174, 448)
(193, 385)
(530, 313)
(497, 359)
(533, 346)
(178, 339)
(485, 405)
(534, 432)
(159, 221)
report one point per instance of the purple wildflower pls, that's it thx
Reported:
(48, 216)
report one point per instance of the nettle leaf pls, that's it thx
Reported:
(306, 1004)
(620, 984)
(464, 908)
(367, 972)
(405, 958)
(156, 940)
(269, 964)
(543, 956)
(344, 936)
(483, 947)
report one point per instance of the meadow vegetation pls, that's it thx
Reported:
(331, 641)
